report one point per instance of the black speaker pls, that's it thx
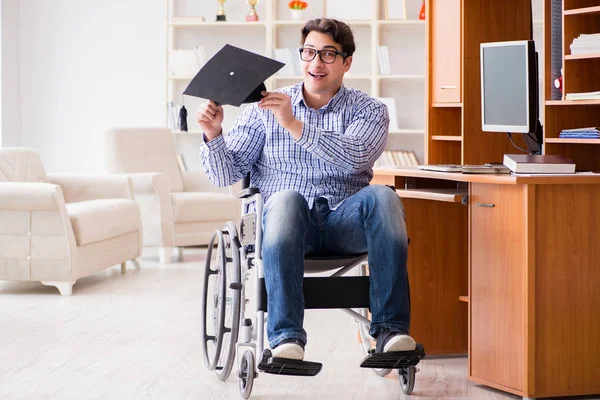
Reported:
(557, 45)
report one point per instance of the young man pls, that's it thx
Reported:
(310, 149)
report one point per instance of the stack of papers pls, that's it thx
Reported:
(583, 96)
(586, 44)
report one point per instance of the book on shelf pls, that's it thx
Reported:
(586, 43)
(291, 59)
(539, 164)
(581, 133)
(396, 158)
(181, 163)
(186, 63)
(583, 96)
(383, 58)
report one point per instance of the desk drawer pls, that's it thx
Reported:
(496, 292)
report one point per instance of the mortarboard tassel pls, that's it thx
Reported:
(183, 119)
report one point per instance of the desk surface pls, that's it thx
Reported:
(414, 172)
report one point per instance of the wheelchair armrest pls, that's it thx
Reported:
(251, 191)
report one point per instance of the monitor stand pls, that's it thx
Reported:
(534, 140)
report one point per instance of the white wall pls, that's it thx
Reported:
(10, 118)
(86, 66)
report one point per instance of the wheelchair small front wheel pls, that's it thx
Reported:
(246, 374)
(406, 376)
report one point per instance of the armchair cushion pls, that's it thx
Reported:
(204, 206)
(97, 220)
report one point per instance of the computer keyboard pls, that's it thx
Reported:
(441, 167)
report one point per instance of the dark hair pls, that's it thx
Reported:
(339, 31)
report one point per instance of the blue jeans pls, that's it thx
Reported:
(371, 220)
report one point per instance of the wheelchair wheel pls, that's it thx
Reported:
(363, 330)
(406, 376)
(221, 301)
(247, 374)
(231, 322)
(213, 304)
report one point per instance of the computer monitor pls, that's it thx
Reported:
(509, 90)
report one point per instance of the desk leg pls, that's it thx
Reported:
(437, 268)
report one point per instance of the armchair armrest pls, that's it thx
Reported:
(152, 191)
(84, 187)
(46, 197)
(150, 183)
(30, 196)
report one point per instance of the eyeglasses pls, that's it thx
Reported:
(326, 55)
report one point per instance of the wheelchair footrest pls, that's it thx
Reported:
(394, 359)
(285, 366)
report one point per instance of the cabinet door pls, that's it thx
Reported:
(497, 284)
(446, 50)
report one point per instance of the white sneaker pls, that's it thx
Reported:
(400, 342)
(291, 350)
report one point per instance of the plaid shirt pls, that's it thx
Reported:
(333, 159)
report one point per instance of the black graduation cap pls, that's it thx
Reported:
(233, 76)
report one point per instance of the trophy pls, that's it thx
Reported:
(252, 16)
(221, 14)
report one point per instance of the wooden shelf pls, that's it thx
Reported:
(407, 131)
(572, 102)
(198, 22)
(572, 140)
(463, 298)
(580, 11)
(451, 105)
(447, 138)
(358, 22)
(299, 77)
(444, 195)
(387, 22)
(400, 77)
(190, 133)
(582, 56)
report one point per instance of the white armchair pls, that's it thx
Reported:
(178, 208)
(59, 228)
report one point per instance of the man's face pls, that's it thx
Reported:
(321, 77)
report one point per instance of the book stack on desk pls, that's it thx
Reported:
(539, 164)
(581, 133)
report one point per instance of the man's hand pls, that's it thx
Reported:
(210, 119)
(281, 106)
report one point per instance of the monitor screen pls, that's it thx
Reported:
(509, 86)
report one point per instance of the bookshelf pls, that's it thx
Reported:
(581, 73)
(191, 23)
(455, 29)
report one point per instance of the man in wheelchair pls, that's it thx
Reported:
(310, 149)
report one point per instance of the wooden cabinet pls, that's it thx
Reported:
(497, 285)
(446, 50)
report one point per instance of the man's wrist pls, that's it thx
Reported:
(295, 129)
(210, 136)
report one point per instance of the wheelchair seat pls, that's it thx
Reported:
(322, 263)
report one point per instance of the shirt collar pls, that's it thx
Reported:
(334, 103)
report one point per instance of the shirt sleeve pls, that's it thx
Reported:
(356, 149)
(228, 158)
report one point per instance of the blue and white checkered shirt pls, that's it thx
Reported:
(333, 159)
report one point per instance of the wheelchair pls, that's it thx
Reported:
(234, 261)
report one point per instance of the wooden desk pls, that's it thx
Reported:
(507, 269)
